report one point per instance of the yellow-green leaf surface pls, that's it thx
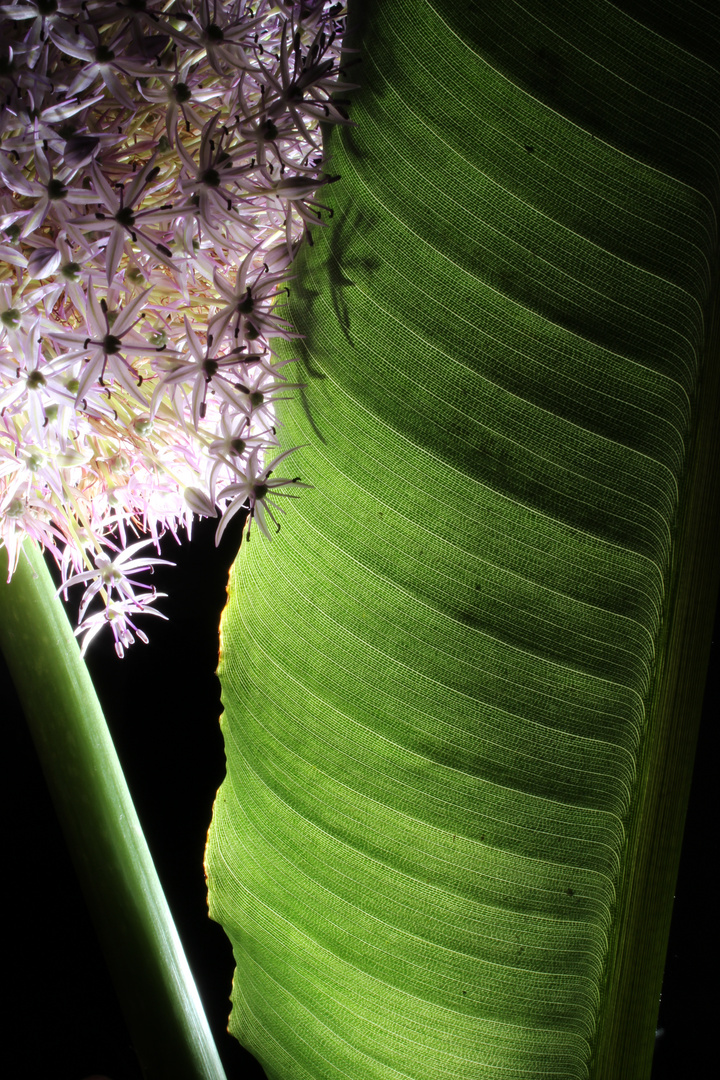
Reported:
(461, 685)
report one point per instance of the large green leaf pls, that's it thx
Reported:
(461, 686)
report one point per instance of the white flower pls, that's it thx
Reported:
(249, 306)
(52, 192)
(225, 453)
(100, 60)
(106, 338)
(204, 368)
(117, 617)
(112, 576)
(127, 222)
(177, 95)
(250, 491)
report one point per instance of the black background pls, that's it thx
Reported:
(162, 703)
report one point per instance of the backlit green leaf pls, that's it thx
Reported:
(461, 686)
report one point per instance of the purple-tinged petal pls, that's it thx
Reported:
(43, 261)
(113, 252)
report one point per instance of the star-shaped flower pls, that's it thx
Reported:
(103, 348)
(251, 490)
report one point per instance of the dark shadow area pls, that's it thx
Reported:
(684, 1044)
(331, 255)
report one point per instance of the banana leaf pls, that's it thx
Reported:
(462, 684)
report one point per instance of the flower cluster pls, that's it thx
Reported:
(160, 163)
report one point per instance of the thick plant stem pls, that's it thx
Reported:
(141, 945)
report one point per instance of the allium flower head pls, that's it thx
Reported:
(160, 166)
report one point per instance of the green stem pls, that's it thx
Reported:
(141, 944)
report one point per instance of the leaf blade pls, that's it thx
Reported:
(499, 389)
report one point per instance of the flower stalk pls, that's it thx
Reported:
(136, 930)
